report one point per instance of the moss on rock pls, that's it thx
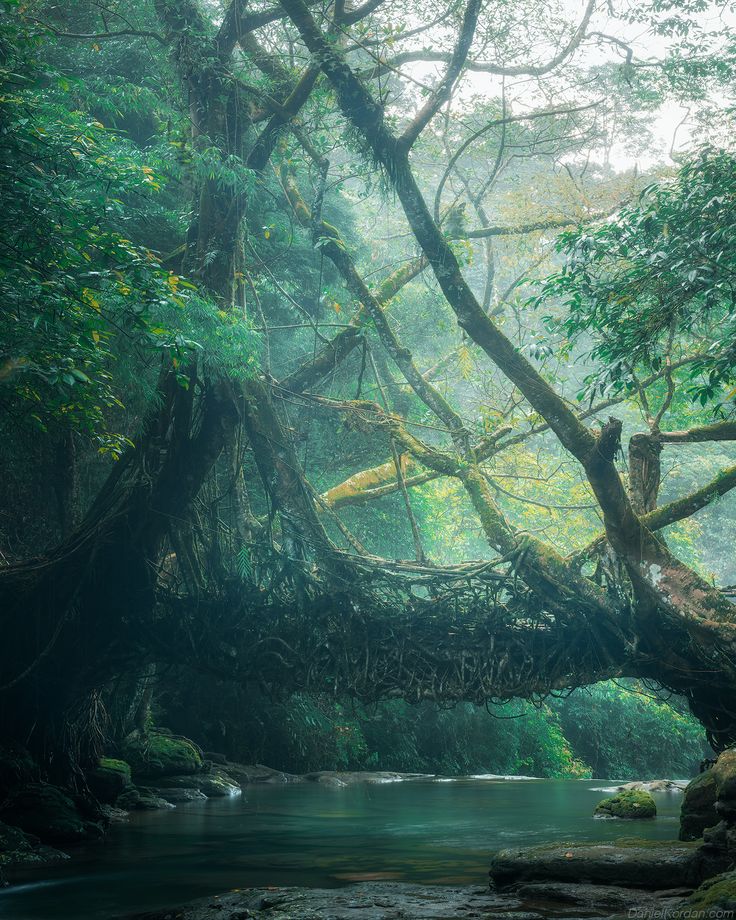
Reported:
(157, 754)
(698, 806)
(109, 779)
(632, 803)
(715, 894)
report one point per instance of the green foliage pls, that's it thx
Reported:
(626, 731)
(79, 296)
(156, 754)
(657, 281)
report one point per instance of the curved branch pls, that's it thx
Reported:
(719, 431)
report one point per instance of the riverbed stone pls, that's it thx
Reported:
(213, 785)
(630, 804)
(698, 806)
(159, 754)
(18, 848)
(141, 798)
(179, 796)
(724, 773)
(654, 785)
(48, 813)
(365, 901)
(626, 863)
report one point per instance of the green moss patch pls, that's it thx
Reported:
(156, 754)
(632, 803)
(718, 893)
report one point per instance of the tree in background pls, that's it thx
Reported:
(249, 272)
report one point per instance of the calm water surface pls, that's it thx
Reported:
(308, 834)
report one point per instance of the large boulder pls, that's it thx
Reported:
(698, 806)
(724, 773)
(214, 784)
(627, 863)
(158, 754)
(109, 779)
(141, 799)
(48, 813)
(630, 804)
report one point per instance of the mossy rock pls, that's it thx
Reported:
(716, 894)
(698, 806)
(109, 779)
(626, 863)
(157, 754)
(143, 799)
(630, 804)
(18, 848)
(724, 774)
(48, 813)
(214, 784)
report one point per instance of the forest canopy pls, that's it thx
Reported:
(353, 354)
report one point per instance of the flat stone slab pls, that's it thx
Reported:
(404, 901)
(627, 863)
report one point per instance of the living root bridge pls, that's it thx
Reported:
(476, 639)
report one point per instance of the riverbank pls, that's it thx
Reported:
(391, 901)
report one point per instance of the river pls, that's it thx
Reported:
(428, 831)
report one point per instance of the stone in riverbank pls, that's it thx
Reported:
(159, 754)
(50, 814)
(698, 806)
(655, 785)
(627, 863)
(404, 901)
(630, 804)
(18, 848)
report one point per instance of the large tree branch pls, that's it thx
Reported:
(442, 92)
(719, 431)
(429, 55)
(672, 512)
(330, 243)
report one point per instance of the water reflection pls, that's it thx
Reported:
(428, 832)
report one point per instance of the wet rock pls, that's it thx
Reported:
(214, 757)
(18, 848)
(698, 806)
(245, 774)
(114, 815)
(655, 785)
(217, 785)
(724, 774)
(48, 813)
(158, 754)
(349, 778)
(180, 796)
(367, 901)
(599, 898)
(633, 803)
(212, 785)
(141, 798)
(627, 863)
(109, 779)
(715, 895)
